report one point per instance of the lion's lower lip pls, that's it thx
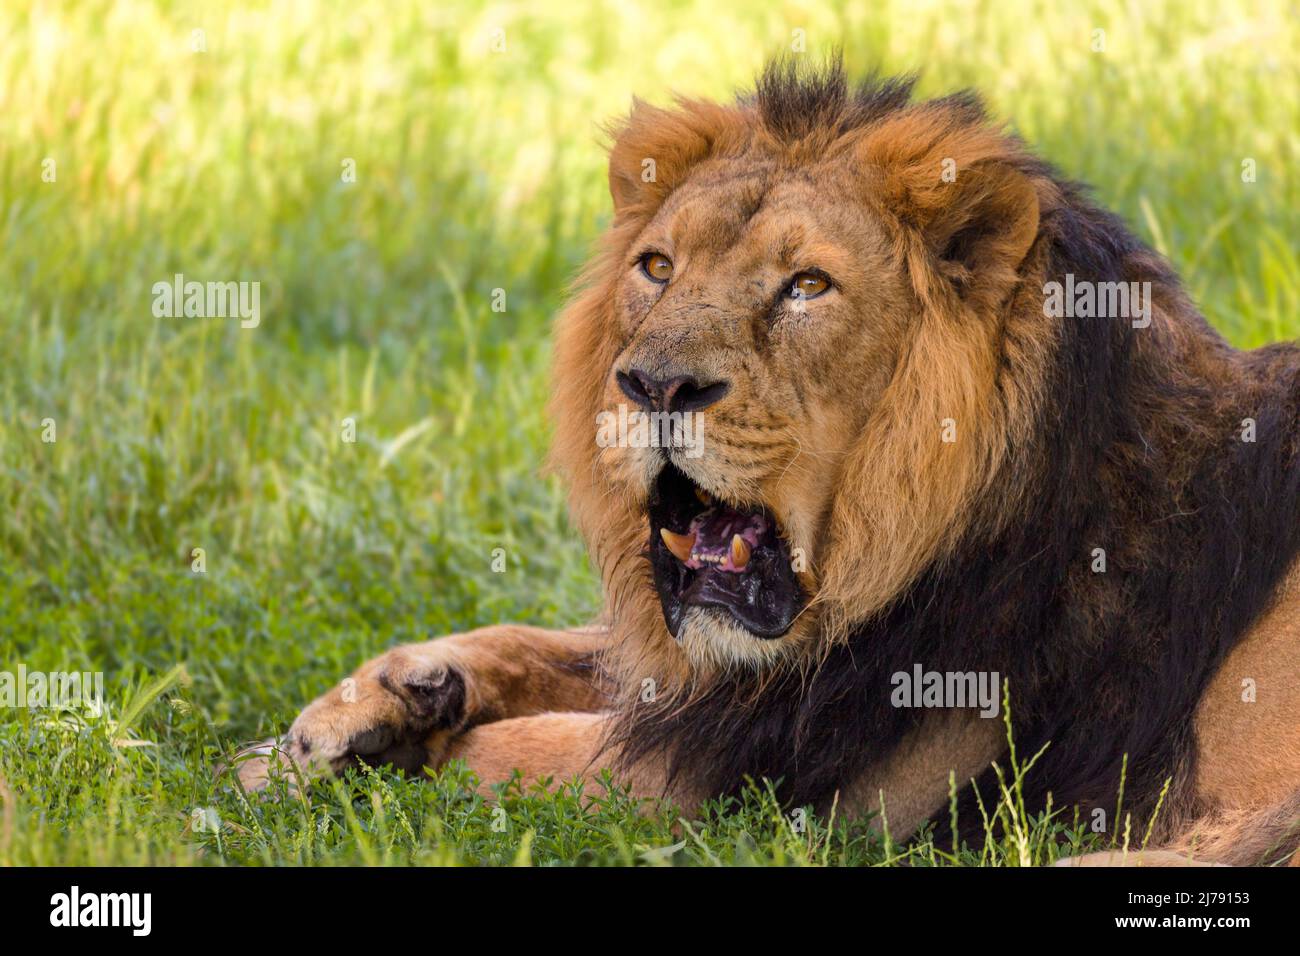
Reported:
(762, 594)
(763, 608)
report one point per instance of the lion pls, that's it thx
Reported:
(950, 416)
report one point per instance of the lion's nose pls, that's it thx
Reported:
(682, 393)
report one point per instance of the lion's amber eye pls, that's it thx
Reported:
(807, 286)
(657, 267)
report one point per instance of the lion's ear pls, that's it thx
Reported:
(959, 187)
(624, 188)
(982, 225)
(626, 170)
(654, 149)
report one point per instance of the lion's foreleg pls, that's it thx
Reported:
(557, 749)
(406, 705)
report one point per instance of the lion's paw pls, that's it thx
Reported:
(385, 714)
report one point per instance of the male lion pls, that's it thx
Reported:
(918, 453)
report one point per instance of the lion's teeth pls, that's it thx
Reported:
(680, 545)
(739, 552)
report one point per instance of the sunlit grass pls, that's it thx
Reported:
(475, 171)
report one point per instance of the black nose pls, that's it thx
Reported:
(683, 393)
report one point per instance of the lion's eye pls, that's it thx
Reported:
(657, 267)
(807, 286)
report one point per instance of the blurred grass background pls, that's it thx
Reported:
(475, 133)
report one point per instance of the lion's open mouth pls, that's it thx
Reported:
(708, 554)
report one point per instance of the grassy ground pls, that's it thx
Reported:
(475, 171)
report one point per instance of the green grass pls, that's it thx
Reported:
(475, 171)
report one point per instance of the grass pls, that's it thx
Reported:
(475, 171)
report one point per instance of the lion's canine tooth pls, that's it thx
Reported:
(680, 545)
(704, 496)
(739, 552)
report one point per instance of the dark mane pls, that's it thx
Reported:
(794, 100)
(1135, 452)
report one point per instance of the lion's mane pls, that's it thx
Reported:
(1081, 434)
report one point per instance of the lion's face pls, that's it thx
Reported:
(838, 344)
(737, 299)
